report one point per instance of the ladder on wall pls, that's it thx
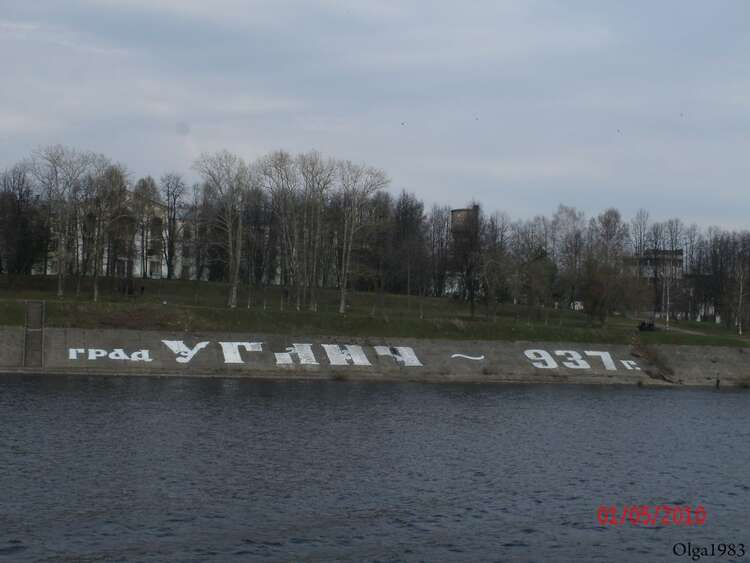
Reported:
(33, 347)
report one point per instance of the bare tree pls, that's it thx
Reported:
(59, 171)
(495, 258)
(281, 177)
(195, 236)
(532, 277)
(260, 237)
(606, 277)
(356, 184)
(691, 240)
(438, 235)
(657, 245)
(145, 200)
(570, 255)
(227, 177)
(675, 233)
(172, 192)
(21, 235)
(741, 265)
(639, 236)
(317, 176)
(409, 257)
(108, 219)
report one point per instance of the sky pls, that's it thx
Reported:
(519, 105)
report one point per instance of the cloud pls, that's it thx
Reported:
(521, 105)
(15, 122)
(20, 32)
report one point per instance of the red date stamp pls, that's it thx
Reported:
(651, 515)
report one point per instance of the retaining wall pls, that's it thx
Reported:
(11, 346)
(113, 352)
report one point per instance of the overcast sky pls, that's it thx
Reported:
(521, 105)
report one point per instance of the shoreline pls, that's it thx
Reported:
(356, 377)
(61, 351)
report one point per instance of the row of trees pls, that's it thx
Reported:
(606, 264)
(305, 222)
(292, 220)
(293, 209)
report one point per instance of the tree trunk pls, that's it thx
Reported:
(342, 299)
(61, 263)
(143, 252)
(96, 282)
(346, 253)
(345, 276)
(739, 307)
(408, 282)
(249, 283)
(60, 285)
(232, 303)
(238, 257)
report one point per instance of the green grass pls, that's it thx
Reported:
(705, 327)
(256, 320)
(672, 337)
(188, 306)
(12, 313)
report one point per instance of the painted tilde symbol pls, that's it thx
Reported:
(465, 357)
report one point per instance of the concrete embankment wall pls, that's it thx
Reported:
(11, 346)
(122, 352)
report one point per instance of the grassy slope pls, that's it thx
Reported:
(187, 306)
(12, 313)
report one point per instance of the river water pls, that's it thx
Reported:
(193, 470)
